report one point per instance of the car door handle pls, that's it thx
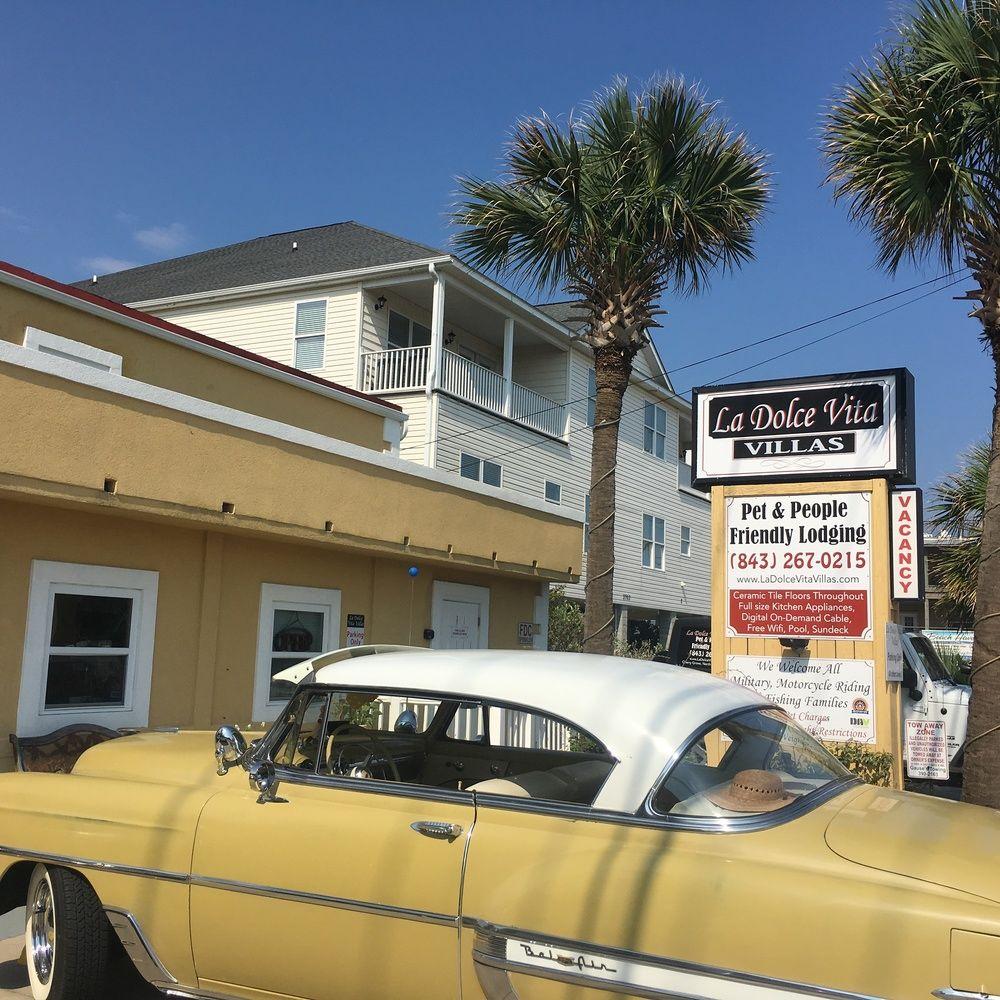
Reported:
(436, 830)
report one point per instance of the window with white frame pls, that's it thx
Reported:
(586, 524)
(553, 492)
(653, 548)
(72, 350)
(88, 648)
(685, 540)
(406, 332)
(296, 624)
(310, 334)
(654, 430)
(480, 469)
(591, 397)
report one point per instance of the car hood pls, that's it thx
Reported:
(950, 844)
(173, 758)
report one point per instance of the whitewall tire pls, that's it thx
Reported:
(66, 936)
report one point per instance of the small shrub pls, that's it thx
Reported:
(565, 623)
(872, 766)
(641, 651)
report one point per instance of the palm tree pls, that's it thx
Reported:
(640, 193)
(958, 507)
(914, 146)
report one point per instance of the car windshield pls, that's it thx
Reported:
(928, 655)
(753, 763)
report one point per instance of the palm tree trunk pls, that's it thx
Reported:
(612, 369)
(982, 759)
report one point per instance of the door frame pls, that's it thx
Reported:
(445, 590)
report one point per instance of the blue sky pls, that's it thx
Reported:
(140, 131)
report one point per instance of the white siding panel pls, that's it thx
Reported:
(266, 326)
(541, 369)
(415, 407)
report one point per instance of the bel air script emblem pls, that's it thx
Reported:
(574, 960)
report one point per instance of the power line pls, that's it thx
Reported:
(776, 357)
(721, 354)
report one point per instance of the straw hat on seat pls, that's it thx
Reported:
(752, 792)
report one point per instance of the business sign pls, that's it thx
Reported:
(832, 699)
(906, 537)
(894, 661)
(690, 643)
(926, 750)
(799, 565)
(824, 427)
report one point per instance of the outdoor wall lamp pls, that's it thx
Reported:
(796, 644)
(450, 339)
(380, 302)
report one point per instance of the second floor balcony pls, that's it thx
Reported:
(407, 369)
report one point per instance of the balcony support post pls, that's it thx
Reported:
(508, 365)
(434, 355)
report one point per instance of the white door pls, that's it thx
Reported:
(460, 616)
(461, 625)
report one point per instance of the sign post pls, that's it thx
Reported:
(800, 472)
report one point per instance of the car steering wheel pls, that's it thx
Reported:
(369, 737)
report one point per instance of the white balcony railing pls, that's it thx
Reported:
(538, 411)
(476, 383)
(396, 370)
(405, 370)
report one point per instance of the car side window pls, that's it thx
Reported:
(751, 764)
(301, 741)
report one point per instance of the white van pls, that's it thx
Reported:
(930, 694)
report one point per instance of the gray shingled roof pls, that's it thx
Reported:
(343, 246)
(568, 313)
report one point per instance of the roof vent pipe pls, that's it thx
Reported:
(295, 245)
(93, 279)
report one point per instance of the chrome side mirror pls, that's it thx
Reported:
(406, 723)
(230, 748)
(264, 781)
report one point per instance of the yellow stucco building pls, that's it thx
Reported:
(181, 519)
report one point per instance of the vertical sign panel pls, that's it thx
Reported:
(906, 534)
(799, 565)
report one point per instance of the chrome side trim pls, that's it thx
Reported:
(103, 866)
(138, 948)
(317, 899)
(491, 948)
(946, 993)
(250, 888)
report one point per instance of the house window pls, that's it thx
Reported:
(72, 350)
(653, 548)
(406, 332)
(591, 397)
(296, 624)
(553, 492)
(586, 524)
(481, 470)
(685, 540)
(654, 430)
(310, 334)
(88, 650)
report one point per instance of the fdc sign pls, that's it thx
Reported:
(814, 535)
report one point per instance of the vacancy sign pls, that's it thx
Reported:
(825, 427)
(799, 565)
(906, 532)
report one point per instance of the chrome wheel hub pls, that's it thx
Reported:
(42, 927)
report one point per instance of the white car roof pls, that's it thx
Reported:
(641, 711)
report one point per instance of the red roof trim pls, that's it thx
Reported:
(180, 331)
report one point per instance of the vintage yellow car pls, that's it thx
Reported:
(497, 825)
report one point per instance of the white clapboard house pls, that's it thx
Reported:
(495, 388)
